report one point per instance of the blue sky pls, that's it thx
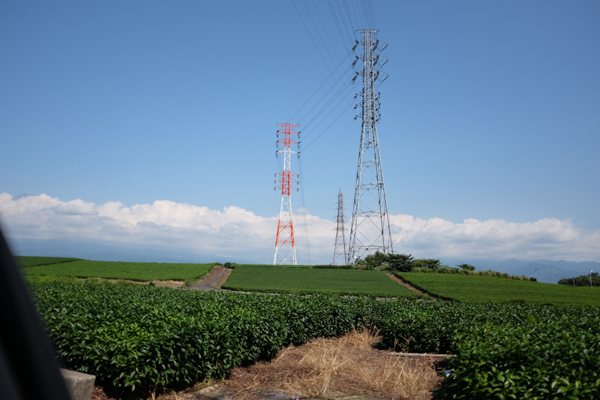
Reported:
(491, 110)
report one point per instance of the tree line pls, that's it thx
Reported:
(592, 279)
(403, 263)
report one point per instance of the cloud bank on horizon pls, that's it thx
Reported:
(238, 233)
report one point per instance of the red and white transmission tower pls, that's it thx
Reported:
(285, 244)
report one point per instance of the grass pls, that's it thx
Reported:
(123, 270)
(343, 367)
(31, 261)
(473, 288)
(307, 280)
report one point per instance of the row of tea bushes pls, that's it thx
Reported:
(142, 337)
(506, 351)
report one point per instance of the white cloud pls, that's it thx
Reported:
(548, 238)
(236, 232)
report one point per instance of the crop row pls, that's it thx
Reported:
(470, 288)
(122, 270)
(145, 337)
(32, 261)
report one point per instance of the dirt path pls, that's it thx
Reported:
(213, 280)
(408, 286)
(221, 281)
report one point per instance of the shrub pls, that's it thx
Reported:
(583, 280)
(141, 337)
(390, 261)
(466, 267)
(428, 263)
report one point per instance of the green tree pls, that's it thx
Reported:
(395, 262)
(466, 267)
(582, 280)
(428, 263)
(400, 262)
(375, 260)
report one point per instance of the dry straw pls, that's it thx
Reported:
(338, 367)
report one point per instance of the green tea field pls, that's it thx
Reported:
(122, 270)
(140, 338)
(310, 280)
(472, 288)
(30, 261)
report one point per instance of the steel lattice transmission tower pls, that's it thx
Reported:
(339, 250)
(370, 226)
(285, 244)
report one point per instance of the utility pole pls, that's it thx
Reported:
(339, 250)
(370, 227)
(285, 244)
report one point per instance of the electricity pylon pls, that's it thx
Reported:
(370, 226)
(339, 250)
(285, 244)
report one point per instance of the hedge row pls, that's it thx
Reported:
(505, 351)
(147, 337)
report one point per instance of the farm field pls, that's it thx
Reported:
(311, 280)
(122, 270)
(473, 288)
(32, 261)
(140, 338)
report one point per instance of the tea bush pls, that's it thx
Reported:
(142, 337)
(532, 360)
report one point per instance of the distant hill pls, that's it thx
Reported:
(562, 268)
(91, 250)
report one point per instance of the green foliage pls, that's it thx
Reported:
(189, 282)
(123, 270)
(311, 280)
(466, 267)
(227, 265)
(583, 280)
(537, 358)
(504, 351)
(390, 261)
(138, 336)
(143, 337)
(29, 261)
(400, 262)
(477, 288)
(429, 263)
(376, 259)
(433, 266)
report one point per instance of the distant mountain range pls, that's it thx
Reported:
(91, 250)
(542, 269)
